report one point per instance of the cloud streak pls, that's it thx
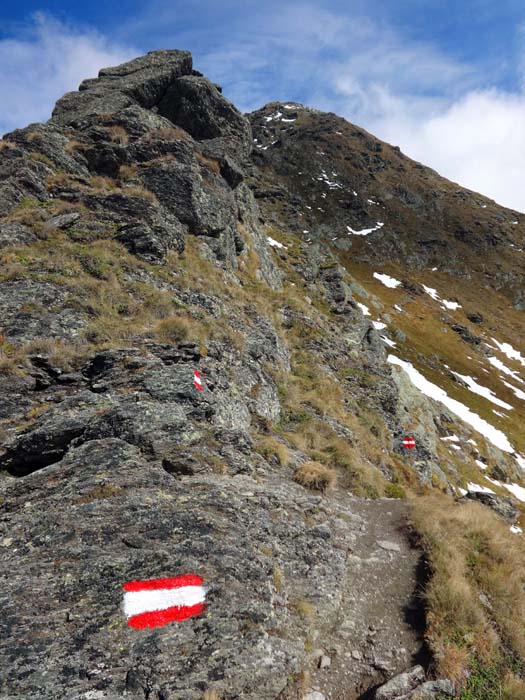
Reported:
(47, 59)
(440, 109)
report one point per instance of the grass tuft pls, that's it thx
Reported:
(315, 476)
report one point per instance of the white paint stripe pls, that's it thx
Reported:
(136, 602)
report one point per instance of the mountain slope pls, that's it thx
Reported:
(145, 235)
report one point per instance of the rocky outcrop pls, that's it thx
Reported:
(167, 366)
(141, 82)
(411, 686)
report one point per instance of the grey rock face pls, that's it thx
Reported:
(151, 243)
(195, 104)
(12, 233)
(503, 506)
(142, 82)
(401, 685)
(80, 529)
(433, 690)
(33, 309)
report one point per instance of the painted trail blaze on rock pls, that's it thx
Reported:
(158, 601)
(197, 381)
(409, 443)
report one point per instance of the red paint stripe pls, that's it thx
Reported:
(156, 583)
(158, 618)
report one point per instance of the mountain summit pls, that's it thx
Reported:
(263, 391)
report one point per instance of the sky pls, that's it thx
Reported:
(442, 79)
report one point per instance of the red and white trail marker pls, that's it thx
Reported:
(409, 443)
(158, 601)
(197, 381)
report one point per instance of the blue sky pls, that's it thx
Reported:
(443, 79)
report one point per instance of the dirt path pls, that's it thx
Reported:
(378, 632)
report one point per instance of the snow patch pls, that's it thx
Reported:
(379, 325)
(495, 436)
(498, 364)
(451, 305)
(365, 310)
(387, 280)
(517, 392)
(274, 243)
(332, 184)
(482, 391)
(476, 488)
(516, 490)
(365, 231)
(510, 352)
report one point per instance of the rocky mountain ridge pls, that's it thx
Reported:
(149, 230)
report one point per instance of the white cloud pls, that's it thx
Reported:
(475, 140)
(46, 61)
(407, 92)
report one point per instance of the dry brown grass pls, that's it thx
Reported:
(211, 694)
(209, 163)
(74, 145)
(273, 450)
(471, 554)
(138, 191)
(117, 134)
(278, 578)
(173, 133)
(175, 329)
(102, 184)
(304, 608)
(315, 476)
(128, 172)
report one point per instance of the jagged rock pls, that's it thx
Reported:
(142, 81)
(503, 506)
(195, 104)
(32, 309)
(432, 690)
(251, 234)
(207, 207)
(401, 685)
(48, 439)
(151, 243)
(63, 221)
(103, 516)
(49, 141)
(13, 233)
(467, 336)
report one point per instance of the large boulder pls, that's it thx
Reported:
(501, 505)
(142, 81)
(196, 104)
(73, 534)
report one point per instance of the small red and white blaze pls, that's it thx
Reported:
(158, 601)
(197, 380)
(409, 443)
